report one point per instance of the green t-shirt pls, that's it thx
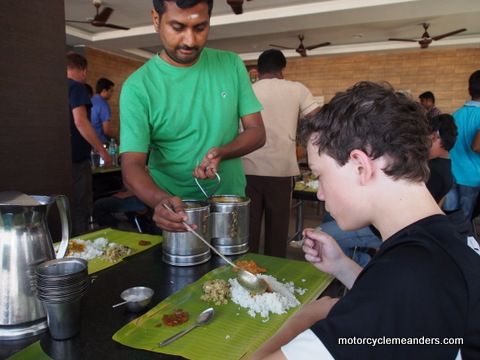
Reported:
(180, 113)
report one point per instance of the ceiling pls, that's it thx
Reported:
(351, 26)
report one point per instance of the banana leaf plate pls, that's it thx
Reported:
(34, 351)
(130, 239)
(232, 334)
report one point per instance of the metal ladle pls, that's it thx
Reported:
(245, 278)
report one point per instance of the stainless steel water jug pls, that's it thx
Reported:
(25, 242)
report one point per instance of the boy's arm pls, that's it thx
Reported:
(301, 321)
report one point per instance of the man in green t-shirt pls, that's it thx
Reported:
(184, 106)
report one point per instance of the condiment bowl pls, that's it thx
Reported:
(137, 298)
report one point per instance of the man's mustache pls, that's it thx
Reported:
(188, 48)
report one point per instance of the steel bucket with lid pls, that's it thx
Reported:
(183, 248)
(229, 221)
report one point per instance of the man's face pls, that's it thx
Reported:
(107, 94)
(183, 32)
(426, 103)
(80, 75)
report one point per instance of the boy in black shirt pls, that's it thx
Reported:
(419, 297)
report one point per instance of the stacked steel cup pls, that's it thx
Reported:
(61, 284)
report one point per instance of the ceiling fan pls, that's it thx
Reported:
(426, 39)
(301, 49)
(237, 6)
(100, 19)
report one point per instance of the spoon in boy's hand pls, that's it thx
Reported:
(299, 243)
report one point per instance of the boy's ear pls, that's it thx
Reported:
(363, 165)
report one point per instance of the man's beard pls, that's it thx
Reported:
(182, 60)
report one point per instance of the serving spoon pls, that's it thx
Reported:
(203, 319)
(245, 278)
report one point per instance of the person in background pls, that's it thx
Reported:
(122, 201)
(83, 138)
(357, 244)
(427, 99)
(101, 112)
(374, 173)
(444, 135)
(271, 168)
(104, 210)
(89, 91)
(466, 153)
(185, 104)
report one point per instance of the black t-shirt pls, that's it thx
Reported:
(78, 96)
(441, 179)
(439, 183)
(423, 284)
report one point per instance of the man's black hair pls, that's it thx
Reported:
(104, 84)
(474, 85)
(271, 61)
(444, 124)
(159, 5)
(428, 95)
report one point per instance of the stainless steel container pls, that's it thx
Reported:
(183, 248)
(230, 223)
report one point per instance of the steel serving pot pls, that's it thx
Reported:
(229, 222)
(184, 248)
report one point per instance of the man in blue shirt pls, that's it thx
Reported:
(465, 154)
(101, 110)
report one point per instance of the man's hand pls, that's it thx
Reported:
(209, 164)
(107, 159)
(171, 221)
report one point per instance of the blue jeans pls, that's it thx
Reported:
(104, 208)
(461, 197)
(349, 240)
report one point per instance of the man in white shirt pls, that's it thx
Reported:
(270, 169)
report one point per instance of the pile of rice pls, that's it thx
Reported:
(281, 299)
(98, 248)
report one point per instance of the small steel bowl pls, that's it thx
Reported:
(138, 298)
